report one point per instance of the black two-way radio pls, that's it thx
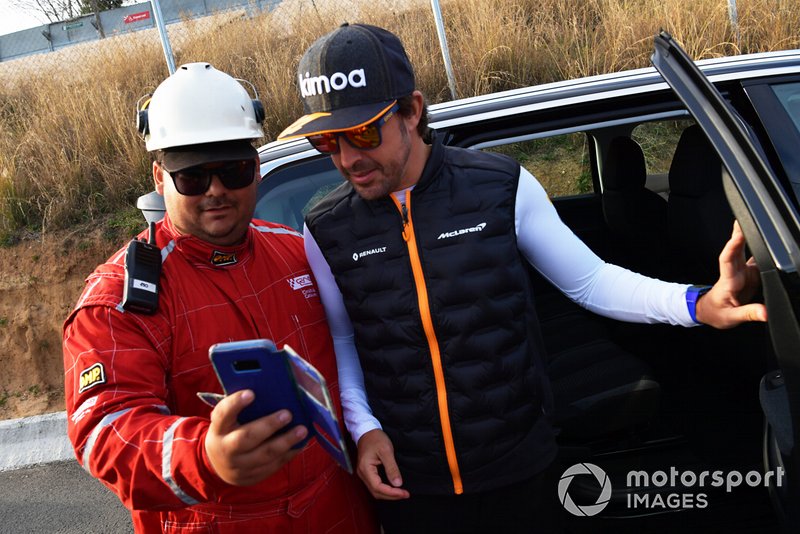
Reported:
(142, 274)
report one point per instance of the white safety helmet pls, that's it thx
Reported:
(199, 104)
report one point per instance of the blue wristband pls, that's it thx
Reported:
(692, 294)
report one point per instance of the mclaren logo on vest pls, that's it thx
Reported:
(359, 255)
(338, 81)
(454, 233)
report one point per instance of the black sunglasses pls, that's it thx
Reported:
(193, 181)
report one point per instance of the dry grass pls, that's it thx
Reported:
(69, 151)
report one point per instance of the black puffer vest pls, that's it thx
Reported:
(444, 322)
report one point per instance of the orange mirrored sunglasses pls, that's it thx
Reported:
(365, 137)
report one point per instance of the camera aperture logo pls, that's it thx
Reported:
(590, 509)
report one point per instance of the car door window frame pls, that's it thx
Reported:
(781, 131)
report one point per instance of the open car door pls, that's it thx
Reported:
(770, 224)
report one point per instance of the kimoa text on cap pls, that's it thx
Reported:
(316, 85)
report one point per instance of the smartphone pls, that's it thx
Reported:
(259, 366)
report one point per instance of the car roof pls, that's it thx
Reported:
(604, 86)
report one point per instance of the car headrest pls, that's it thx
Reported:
(696, 168)
(625, 167)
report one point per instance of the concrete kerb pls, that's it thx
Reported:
(34, 440)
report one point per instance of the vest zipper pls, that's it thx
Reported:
(430, 335)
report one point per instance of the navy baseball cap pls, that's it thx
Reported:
(350, 77)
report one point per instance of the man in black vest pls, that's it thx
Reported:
(420, 257)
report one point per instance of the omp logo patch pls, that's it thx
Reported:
(222, 258)
(316, 85)
(363, 253)
(92, 376)
(454, 233)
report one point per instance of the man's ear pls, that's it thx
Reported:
(258, 170)
(412, 120)
(158, 177)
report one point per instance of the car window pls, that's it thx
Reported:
(658, 141)
(288, 193)
(561, 163)
(789, 96)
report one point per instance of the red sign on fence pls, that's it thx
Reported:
(144, 15)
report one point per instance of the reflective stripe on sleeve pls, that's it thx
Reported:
(166, 464)
(267, 229)
(107, 420)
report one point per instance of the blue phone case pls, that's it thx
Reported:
(259, 366)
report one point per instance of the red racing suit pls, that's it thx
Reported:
(131, 380)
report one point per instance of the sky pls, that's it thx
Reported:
(13, 19)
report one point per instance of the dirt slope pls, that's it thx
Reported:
(40, 281)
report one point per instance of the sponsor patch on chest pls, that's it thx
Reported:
(92, 376)
(303, 283)
(462, 231)
(222, 258)
(377, 250)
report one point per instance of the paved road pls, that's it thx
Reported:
(59, 498)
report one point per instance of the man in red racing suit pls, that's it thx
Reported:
(131, 378)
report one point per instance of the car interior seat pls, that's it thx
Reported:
(699, 217)
(599, 389)
(700, 224)
(636, 216)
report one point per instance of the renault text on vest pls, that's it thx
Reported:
(316, 85)
(379, 250)
(454, 233)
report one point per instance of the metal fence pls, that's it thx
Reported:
(61, 48)
(115, 22)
